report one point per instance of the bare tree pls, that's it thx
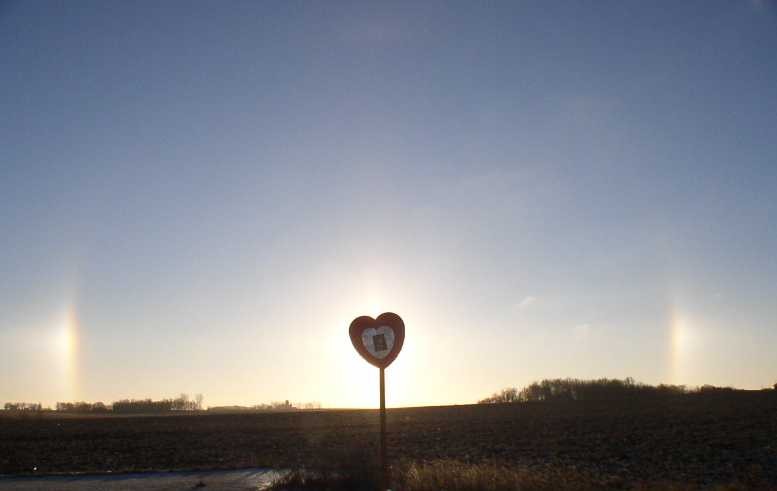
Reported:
(198, 401)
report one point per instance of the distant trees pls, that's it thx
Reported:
(280, 406)
(183, 403)
(706, 388)
(23, 406)
(81, 407)
(775, 386)
(275, 406)
(506, 395)
(581, 390)
(142, 406)
(307, 406)
(287, 406)
(180, 403)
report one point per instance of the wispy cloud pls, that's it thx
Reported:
(527, 302)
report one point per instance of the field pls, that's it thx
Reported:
(692, 440)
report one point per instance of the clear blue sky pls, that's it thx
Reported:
(200, 196)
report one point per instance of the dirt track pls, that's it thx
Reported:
(237, 480)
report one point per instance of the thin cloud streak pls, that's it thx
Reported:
(527, 302)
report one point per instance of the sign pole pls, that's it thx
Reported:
(383, 466)
(379, 341)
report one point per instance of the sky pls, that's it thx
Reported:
(199, 196)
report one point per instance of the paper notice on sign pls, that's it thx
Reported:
(378, 341)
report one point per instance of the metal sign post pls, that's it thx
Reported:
(383, 464)
(379, 341)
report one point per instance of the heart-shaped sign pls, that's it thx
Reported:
(378, 340)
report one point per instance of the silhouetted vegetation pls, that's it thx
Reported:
(180, 403)
(23, 406)
(149, 406)
(705, 389)
(570, 389)
(82, 407)
(444, 475)
(279, 406)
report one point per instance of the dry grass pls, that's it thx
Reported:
(445, 475)
(457, 476)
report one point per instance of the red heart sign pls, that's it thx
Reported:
(378, 340)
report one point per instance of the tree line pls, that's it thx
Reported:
(280, 406)
(82, 407)
(181, 403)
(22, 406)
(572, 389)
(149, 406)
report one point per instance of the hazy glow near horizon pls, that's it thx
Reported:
(66, 336)
(200, 198)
